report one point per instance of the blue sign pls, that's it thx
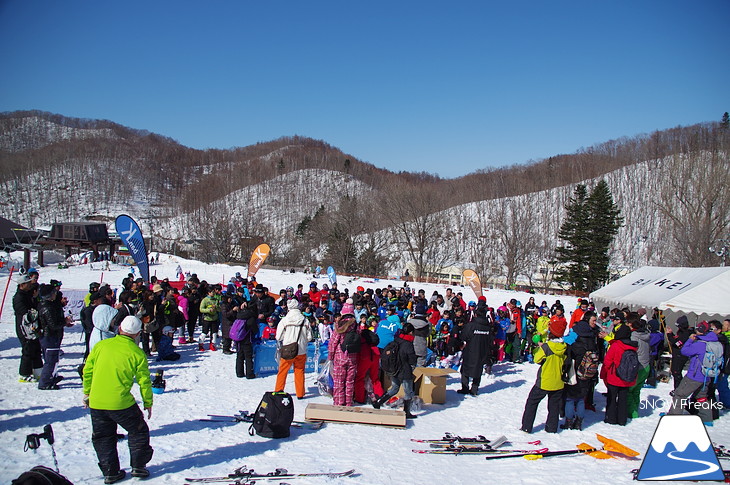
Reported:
(265, 363)
(131, 236)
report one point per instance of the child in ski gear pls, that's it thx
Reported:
(110, 371)
(575, 395)
(420, 335)
(697, 382)
(210, 309)
(269, 332)
(368, 365)
(294, 327)
(502, 325)
(616, 401)
(165, 349)
(404, 373)
(388, 327)
(344, 347)
(550, 356)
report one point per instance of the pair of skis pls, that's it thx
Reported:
(456, 445)
(245, 476)
(608, 445)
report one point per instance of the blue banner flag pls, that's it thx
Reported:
(131, 236)
(332, 275)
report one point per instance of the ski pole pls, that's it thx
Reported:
(2, 305)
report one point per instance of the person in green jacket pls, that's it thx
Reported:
(211, 311)
(550, 356)
(110, 371)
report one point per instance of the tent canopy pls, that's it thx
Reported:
(698, 291)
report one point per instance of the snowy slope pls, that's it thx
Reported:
(205, 383)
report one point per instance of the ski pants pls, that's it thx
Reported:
(343, 377)
(244, 360)
(210, 327)
(684, 392)
(499, 346)
(31, 355)
(299, 362)
(395, 384)
(555, 400)
(616, 405)
(51, 353)
(677, 367)
(635, 393)
(476, 381)
(368, 367)
(104, 437)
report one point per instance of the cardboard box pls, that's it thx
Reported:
(343, 414)
(429, 385)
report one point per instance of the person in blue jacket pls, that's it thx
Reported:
(388, 327)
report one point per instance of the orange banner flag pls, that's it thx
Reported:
(472, 279)
(258, 257)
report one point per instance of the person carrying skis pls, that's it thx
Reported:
(110, 371)
(550, 356)
(403, 373)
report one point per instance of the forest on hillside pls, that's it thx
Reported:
(316, 202)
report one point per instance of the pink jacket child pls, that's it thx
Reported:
(343, 350)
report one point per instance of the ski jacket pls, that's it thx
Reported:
(23, 301)
(576, 317)
(52, 323)
(294, 327)
(541, 328)
(387, 329)
(182, 304)
(551, 356)
(407, 357)
(503, 324)
(110, 371)
(342, 328)
(642, 338)
(209, 308)
(695, 350)
(420, 335)
(612, 360)
(477, 336)
(102, 319)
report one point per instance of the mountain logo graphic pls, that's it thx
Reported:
(680, 450)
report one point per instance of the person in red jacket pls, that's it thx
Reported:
(577, 315)
(314, 294)
(368, 364)
(618, 389)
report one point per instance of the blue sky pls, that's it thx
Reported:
(442, 87)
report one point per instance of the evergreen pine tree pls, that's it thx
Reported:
(591, 223)
(573, 256)
(604, 221)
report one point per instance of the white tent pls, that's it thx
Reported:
(702, 292)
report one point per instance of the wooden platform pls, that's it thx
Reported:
(359, 415)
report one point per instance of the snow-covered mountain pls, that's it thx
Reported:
(671, 188)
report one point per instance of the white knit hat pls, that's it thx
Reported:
(131, 325)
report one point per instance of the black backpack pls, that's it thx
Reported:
(351, 343)
(273, 416)
(628, 367)
(389, 359)
(41, 475)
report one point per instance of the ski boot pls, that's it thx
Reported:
(407, 408)
(380, 401)
(577, 424)
(569, 423)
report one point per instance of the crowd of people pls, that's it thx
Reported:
(373, 336)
